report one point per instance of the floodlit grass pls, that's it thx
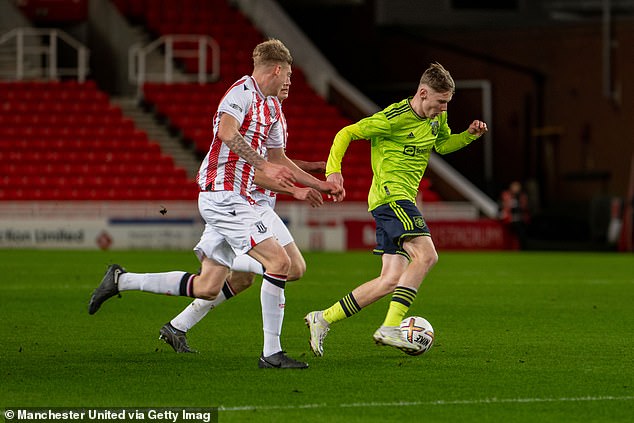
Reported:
(520, 337)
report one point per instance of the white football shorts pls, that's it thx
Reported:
(275, 223)
(265, 205)
(232, 226)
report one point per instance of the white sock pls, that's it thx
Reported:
(170, 283)
(195, 312)
(199, 308)
(246, 263)
(273, 302)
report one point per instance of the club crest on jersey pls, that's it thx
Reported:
(419, 221)
(273, 111)
(434, 127)
(261, 227)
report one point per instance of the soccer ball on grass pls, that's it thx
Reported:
(418, 331)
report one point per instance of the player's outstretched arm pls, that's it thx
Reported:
(310, 167)
(277, 155)
(229, 134)
(448, 143)
(375, 124)
(311, 195)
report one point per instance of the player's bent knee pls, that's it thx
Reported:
(296, 270)
(298, 264)
(281, 264)
(427, 258)
(431, 259)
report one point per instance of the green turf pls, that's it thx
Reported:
(520, 337)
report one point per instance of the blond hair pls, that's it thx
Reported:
(438, 79)
(271, 52)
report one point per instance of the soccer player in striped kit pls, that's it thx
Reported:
(244, 267)
(246, 124)
(402, 137)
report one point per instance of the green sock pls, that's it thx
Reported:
(402, 299)
(342, 309)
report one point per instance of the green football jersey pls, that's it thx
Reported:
(401, 143)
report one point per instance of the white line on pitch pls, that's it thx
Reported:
(421, 403)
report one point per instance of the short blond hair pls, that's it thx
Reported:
(438, 79)
(271, 52)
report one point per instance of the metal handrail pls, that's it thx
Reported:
(137, 69)
(49, 51)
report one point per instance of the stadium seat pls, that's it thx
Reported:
(65, 141)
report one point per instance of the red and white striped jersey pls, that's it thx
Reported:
(263, 194)
(259, 118)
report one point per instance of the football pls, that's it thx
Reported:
(418, 331)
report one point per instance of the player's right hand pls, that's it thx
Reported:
(337, 180)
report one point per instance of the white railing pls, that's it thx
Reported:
(43, 43)
(172, 47)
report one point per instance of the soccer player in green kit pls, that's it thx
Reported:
(402, 137)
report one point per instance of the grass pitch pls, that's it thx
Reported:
(520, 337)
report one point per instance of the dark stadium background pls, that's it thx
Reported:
(559, 71)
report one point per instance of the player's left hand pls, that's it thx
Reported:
(312, 196)
(478, 128)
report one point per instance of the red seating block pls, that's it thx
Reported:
(65, 141)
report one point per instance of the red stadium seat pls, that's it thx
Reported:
(65, 141)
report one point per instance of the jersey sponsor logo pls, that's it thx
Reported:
(434, 127)
(410, 135)
(387, 190)
(260, 227)
(414, 150)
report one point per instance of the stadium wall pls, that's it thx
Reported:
(177, 225)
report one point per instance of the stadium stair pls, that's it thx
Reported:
(170, 143)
